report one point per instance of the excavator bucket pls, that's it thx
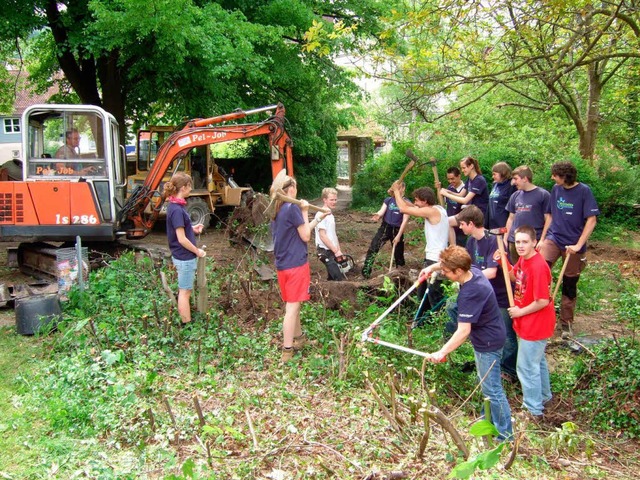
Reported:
(249, 224)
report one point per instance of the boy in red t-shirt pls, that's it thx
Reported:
(534, 320)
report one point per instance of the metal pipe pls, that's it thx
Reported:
(261, 109)
(80, 263)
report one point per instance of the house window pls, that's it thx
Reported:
(11, 125)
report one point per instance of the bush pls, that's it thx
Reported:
(607, 390)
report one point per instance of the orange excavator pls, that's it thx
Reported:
(197, 133)
(74, 172)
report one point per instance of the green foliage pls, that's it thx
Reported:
(594, 289)
(446, 56)
(182, 59)
(607, 178)
(607, 387)
(484, 460)
(97, 401)
(569, 440)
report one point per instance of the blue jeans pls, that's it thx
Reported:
(510, 349)
(492, 389)
(534, 375)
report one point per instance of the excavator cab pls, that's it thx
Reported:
(73, 177)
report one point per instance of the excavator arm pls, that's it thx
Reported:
(196, 133)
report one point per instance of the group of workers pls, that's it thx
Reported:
(509, 333)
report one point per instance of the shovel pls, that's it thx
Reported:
(564, 267)
(499, 232)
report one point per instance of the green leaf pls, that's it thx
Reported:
(110, 357)
(483, 428)
(489, 458)
(187, 468)
(463, 470)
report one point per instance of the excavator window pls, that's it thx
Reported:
(66, 143)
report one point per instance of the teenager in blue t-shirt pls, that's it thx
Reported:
(573, 210)
(475, 186)
(291, 231)
(481, 248)
(392, 230)
(456, 186)
(501, 191)
(181, 236)
(479, 320)
(529, 205)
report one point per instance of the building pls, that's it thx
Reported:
(10, 123)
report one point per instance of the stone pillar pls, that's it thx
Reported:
(359, 148)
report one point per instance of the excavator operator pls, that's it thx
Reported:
(71, 149)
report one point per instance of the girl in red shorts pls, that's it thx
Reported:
(291, 231)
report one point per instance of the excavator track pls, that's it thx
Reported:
(40, 260)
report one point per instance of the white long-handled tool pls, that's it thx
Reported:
(367, 333)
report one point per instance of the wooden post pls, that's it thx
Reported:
(201, 286)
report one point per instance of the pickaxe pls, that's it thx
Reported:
(406, 170)
(434, 167)
(499, 232)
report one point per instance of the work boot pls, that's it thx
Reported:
(566, 331)
(287, 354)
(299, 342)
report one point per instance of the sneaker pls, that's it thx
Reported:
(287, 354)
(525, 417)
(566, 331)
(299, 342)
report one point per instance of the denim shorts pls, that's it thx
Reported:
(186, 272)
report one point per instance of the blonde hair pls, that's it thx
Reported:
(287, 183)
(329, 191)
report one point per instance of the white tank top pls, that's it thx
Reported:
(437, 235)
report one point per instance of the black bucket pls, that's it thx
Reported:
(37, 314)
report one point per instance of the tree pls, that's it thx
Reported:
(448, 54)
(191, 58)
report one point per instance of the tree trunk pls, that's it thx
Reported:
(589, 133)
(113, 90)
